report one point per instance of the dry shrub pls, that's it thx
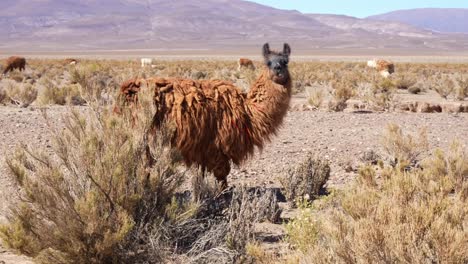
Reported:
(382, 94)
(303, 76)
(342, 91)
(97, 82)
(410, 217)
(22, 94)
(17, 76)
(315, 96)
(259, 254)
(307, 180)
(443, 85)
(3, 96)
(53, 94)
(225, 238)
(94, 199)
(405, 81)
(404, 150)
(462, 91)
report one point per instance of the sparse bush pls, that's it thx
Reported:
(307, 180)
(462, 91)
(21, 94)
(402, 149)
(95, 85)
(259, 255)
(3, 96)
(342, 91)
(87, 202)
(443, 85)
(410, 217)
(405, 81)
(17, 76)
(382, 94)
(315, 96)
(52, 94)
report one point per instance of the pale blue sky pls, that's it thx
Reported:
(359, 8)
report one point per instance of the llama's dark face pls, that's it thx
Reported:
(277, 63)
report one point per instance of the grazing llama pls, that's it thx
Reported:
(146, 62)
(215, 121)
(71, 61)
(384, 67)
(14, 62)
(245, 63)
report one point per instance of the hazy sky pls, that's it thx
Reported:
(359, 8)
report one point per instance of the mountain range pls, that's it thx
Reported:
(453, 20)
(207, 25)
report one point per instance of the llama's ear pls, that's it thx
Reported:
(266, 50)
(286, 49)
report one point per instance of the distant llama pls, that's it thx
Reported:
(13, 63)
(245, 63)
(385, 68)
(71, 61)
(146, 62)
(215, 121)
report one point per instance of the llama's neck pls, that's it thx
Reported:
(268, 103)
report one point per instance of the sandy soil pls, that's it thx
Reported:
(339, 137)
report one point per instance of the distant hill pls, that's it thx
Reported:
(56, 25)
(436, 19)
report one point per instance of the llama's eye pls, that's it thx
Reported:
(269, 63)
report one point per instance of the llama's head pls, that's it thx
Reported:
(277, 63)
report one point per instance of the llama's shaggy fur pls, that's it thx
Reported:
(245, 63)
(14, 62)
(216, 122)
(385, 68)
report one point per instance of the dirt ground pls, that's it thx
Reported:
(340, 137)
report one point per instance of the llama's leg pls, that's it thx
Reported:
(221, 171)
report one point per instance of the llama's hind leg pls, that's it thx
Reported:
(221, 171)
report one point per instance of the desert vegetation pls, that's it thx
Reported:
(331, 86)
(90, 197)
(392, 213)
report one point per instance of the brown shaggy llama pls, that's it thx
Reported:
(14, 62)
(385, 68)
(245, 63)
(215, 122)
